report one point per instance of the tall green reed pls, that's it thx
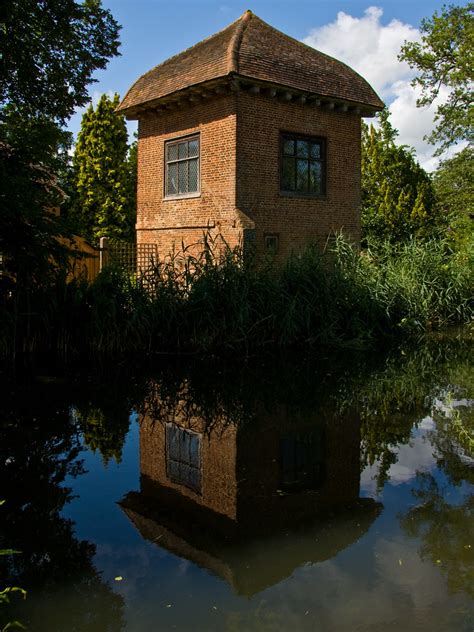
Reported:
(220, 301)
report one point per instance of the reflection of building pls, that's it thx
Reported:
(226, 498)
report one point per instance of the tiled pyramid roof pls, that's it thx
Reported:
(251, 48)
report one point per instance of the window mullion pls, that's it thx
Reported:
(181, 173)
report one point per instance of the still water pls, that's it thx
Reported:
(331, 494)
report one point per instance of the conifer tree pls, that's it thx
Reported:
(397, 194)
(103, 204)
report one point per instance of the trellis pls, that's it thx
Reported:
(139, 259)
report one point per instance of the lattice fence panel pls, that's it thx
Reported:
(134, 258)
(123, 254)
(146, 259)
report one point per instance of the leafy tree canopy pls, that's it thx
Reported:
(445, 57)
(454, 183)
(397, 194)
(53, 48)
(50, 49)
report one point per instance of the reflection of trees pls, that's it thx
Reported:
(446, 529)
(446, 532)
(391, 393)
(36, 455)
(102, 411)
(238, 392)
(391, 399)
(103, 432)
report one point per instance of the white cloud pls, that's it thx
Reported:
(371, 48)
(415, 457)
(368, 46)
(95, 98)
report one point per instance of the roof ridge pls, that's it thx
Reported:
(173, 57)
(236, 40)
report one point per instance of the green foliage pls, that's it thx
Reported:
(132, 169)
(7, 592)
(29, 239)
(104, 200)
(397, 194)
(230, 304)
(454, 186)
(104, 430)
(445, 531)
(53, 49)
(445, 58)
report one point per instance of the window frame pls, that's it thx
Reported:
(175, 141)
(267, 237)
(323, 161)
(178, 480)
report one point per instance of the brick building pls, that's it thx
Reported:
(250, 135)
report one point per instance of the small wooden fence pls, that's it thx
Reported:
(139, 259)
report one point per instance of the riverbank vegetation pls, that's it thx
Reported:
(231, 303)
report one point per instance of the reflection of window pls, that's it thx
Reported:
(302, 461)
(303, 163)
(183, 456)
(182, 167)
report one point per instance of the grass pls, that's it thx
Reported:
(231, 304)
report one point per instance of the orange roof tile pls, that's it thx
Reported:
(251, 48)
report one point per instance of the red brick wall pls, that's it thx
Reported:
(239, 149)
(297, 220)
(171, 222)
(218, 458)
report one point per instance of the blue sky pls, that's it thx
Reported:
(366, 35)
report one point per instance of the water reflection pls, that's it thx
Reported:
(229, 496)
(39, 449)
(331, 494)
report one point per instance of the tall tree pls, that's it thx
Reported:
(445, 57)
(50, 49)
(103, 202)
(397, 194)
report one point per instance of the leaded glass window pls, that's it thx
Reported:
(302, 460)
(183, 456)
(303, 165)
(182, 167)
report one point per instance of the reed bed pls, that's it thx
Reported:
(227, 303)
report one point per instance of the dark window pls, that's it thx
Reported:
(182, 167)
(183, 456)
(303, 162)
(271, 242)
(302, 461)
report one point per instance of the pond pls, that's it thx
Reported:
(272, 495)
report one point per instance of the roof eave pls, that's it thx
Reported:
(234, 81)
